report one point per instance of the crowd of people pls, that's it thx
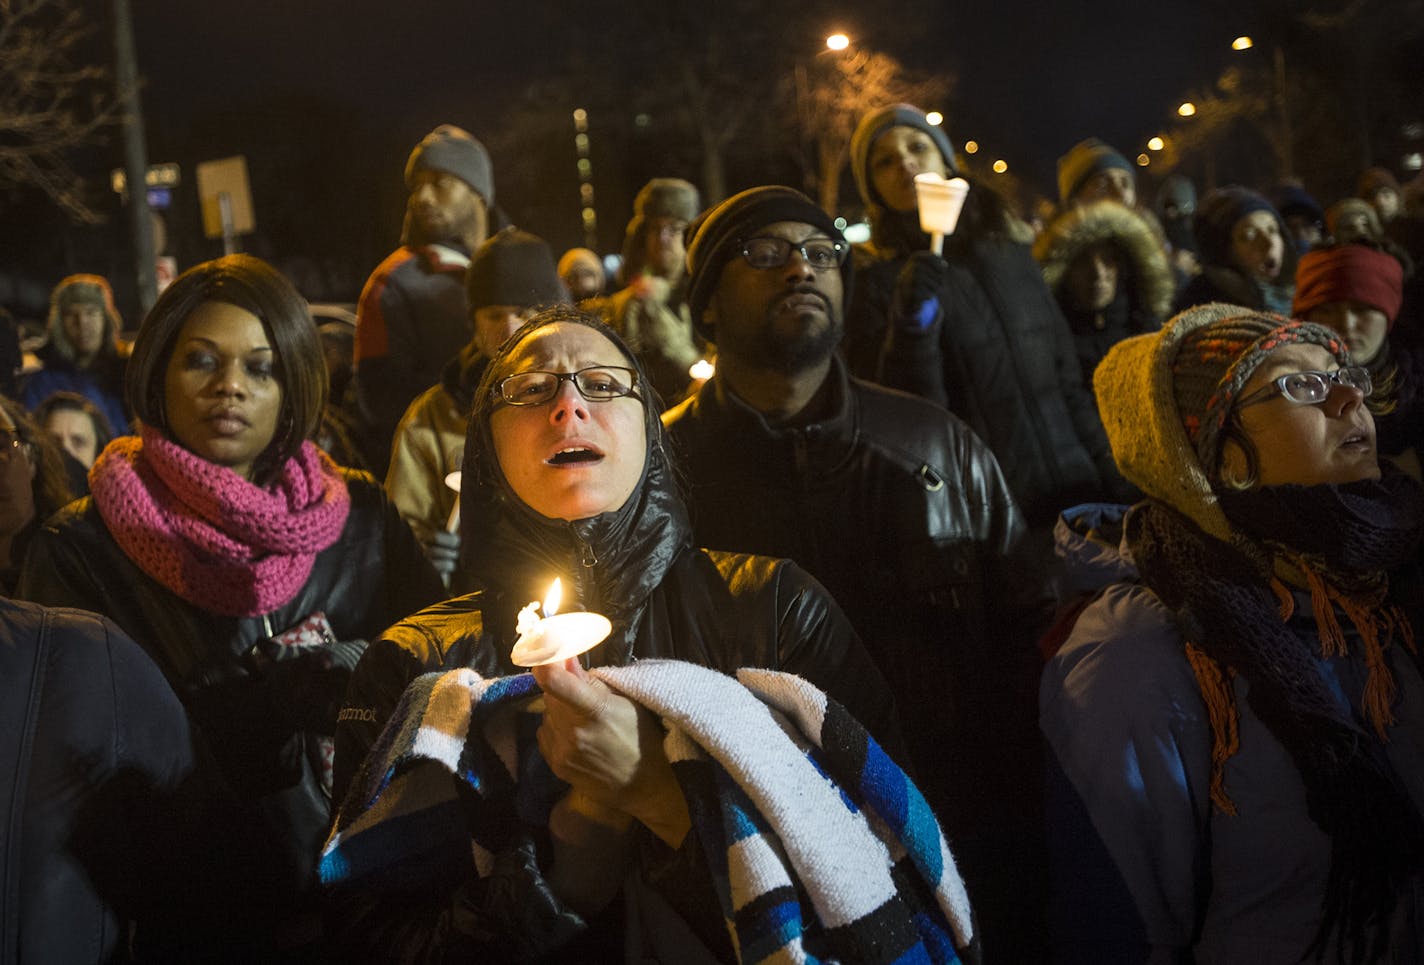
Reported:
(1050, 596)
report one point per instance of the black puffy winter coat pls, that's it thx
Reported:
(1000, 356)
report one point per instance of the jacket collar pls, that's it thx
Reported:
(818, 447)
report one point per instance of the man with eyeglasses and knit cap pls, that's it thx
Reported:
(890, 501)
(412, 318)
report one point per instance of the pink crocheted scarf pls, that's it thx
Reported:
(209, 535)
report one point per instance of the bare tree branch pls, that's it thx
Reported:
(50, 104)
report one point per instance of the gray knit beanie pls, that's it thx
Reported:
(876, 123)
(453, 150)
(1085, 159)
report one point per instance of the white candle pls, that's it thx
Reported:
(452, 525)
(556, 636)
(701, 370)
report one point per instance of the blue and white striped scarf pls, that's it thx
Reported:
(821, 848)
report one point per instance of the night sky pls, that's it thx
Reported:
(326, 98)
(1033, 78)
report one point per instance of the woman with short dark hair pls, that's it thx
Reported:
(233, 550)
(76, 424)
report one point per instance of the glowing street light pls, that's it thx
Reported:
(1156, 144)
(1242, 43)
(837, 42)
(935, 118)
(1001, 166)
(1187, 109)
(971, 147)
(1143, 160)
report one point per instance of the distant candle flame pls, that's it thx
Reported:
(551, 601)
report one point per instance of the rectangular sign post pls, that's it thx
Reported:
(226, 200)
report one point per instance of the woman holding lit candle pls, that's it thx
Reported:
(975, 329)
(240, 557)
(566, 475)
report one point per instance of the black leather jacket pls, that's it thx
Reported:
(665, 598)
(257, 715)
(902, 512)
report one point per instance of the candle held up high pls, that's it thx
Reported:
(940, 202)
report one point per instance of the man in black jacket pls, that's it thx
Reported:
(890, 501)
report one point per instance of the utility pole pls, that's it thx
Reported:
(135, 156)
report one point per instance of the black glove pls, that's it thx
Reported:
(917, 291)
(443, 551)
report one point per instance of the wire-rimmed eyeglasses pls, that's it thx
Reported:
(1311, 387)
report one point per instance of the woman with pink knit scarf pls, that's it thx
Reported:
(249, 565)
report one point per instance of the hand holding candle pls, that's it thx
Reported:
(556, 636)
(940, 202)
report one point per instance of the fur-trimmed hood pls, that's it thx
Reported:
(1080, 226)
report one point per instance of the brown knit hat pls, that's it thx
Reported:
(1165, 398)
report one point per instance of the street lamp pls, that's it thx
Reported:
(1156, 144)
(971, 147)
(1283, 135)
(1186, 109)
(935, 118)
(1143, 160)
(1001, 166)
(837, 42)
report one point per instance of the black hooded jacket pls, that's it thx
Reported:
(664, 597)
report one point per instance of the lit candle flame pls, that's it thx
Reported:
(554, 596)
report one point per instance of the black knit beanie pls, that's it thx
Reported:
(1218, 213)
(718, 233)
(514, 268)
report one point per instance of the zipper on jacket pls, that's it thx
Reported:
(587, 557)
(931, 480)
(798, 452)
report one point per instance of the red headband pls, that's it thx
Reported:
(1349, 273)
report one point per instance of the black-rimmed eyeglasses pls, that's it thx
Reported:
(597, 383)
(1311, 387)
(821, 254)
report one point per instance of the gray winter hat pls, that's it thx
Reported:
(453, 150)
(1086, 159)
(876, 123)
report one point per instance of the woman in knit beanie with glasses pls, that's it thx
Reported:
(1237, 740)
(248, 565)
